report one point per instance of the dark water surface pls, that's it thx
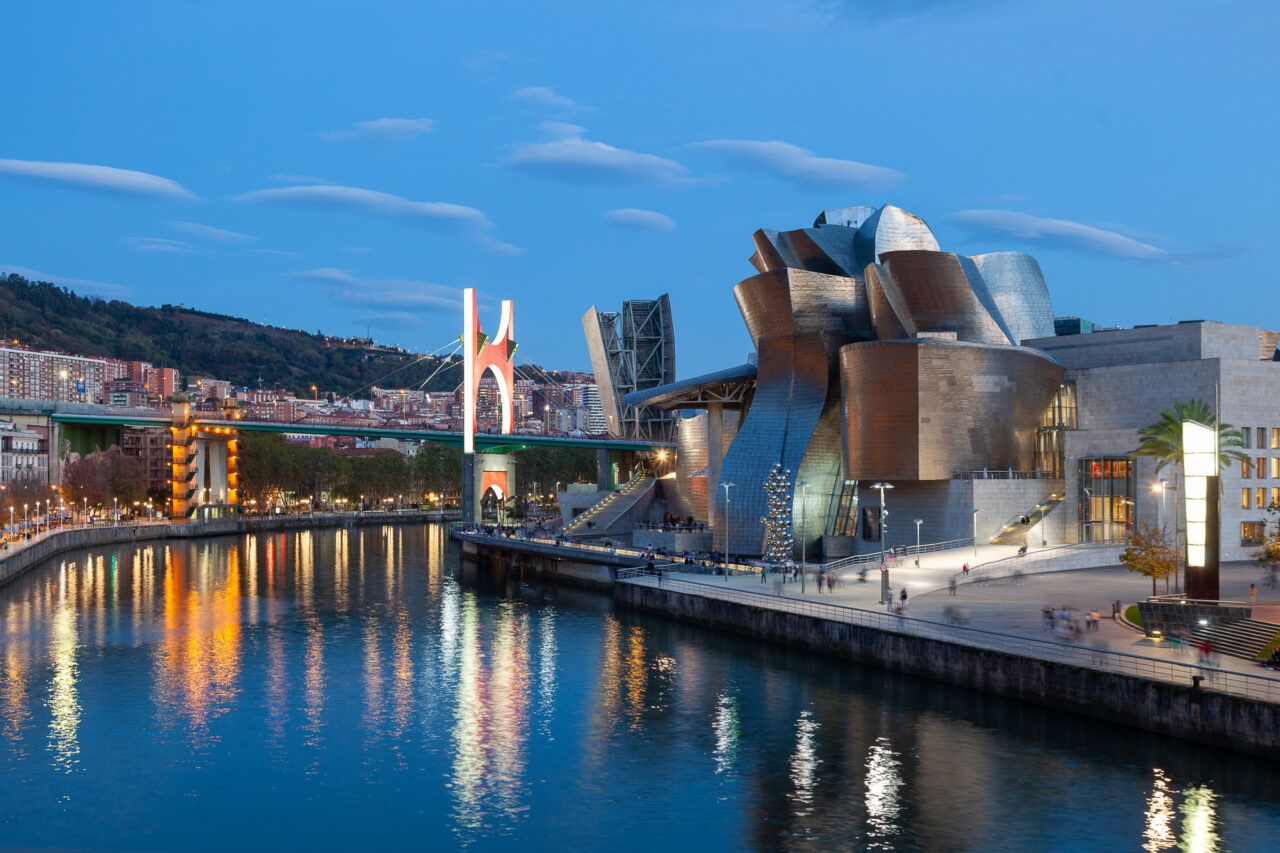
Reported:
(338, 689)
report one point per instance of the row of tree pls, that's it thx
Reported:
(271, 469)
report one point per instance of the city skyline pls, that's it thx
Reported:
(189, 160)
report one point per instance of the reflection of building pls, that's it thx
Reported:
(878, 357)
(632, 350)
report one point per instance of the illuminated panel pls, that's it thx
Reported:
(1199, 462)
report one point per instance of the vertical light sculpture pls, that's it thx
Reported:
(481, 354)
(1200, 467)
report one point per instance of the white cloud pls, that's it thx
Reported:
(357, 199)
(798, 165)
(211, 234)
(98, 178)
(545, 96)
(640, 220)
(162, 245)
(1060, 233)
(381, 130)
(79, 285)
(386, 293)
(570, 156)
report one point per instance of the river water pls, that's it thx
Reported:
(356, 689)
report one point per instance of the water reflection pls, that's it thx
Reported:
(352, 674)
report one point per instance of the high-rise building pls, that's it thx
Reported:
(42, 375)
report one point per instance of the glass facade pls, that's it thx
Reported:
(1105, 499)
(844, 522)
(1251, 532)
(1050, 437)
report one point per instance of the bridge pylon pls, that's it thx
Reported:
(484, 355)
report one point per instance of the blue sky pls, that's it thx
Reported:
(351, 165)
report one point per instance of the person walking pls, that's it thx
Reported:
(951, 586)
(831, 582)
(1253, 593)
(1097, 619)
(764, 575)
(902, 598)
(965, 569)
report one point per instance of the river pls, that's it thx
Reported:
(355, 689)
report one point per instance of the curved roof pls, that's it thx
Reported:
(728, 387)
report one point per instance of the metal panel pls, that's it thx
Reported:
(892, 229)
(933, 292)
(928, 409)
(1018, 289)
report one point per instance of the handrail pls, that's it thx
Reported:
(876, 556)
(1264, 687)
(1181, 598)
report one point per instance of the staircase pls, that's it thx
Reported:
(1014, 532)
(604, 516)
(1240, 638)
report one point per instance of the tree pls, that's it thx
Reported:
(1162, 440)
(102, 476)
(1149, 555)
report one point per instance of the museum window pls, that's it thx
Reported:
(1275, 496)
(1261, 500)
(1246, 468)
(1105, 499)
(1252, 532)
(1275, 467)
(845, 520)
(1275, 438)
(1059, 417)
(1262, 467)
(1247, 436)
(1246, 496)
(1262, 438)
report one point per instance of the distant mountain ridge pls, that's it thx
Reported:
(199, 343)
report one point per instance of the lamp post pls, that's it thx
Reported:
(115, 511)
(25, 523)
(918, 521)
(804, 561)
(975, 532)
(726, 487)
(85, 514)
(884, 532)
(11, 515)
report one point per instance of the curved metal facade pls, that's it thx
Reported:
(931, 294)
(689, 497)
(928, 409)
(1021, 296)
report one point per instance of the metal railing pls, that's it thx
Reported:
(1181, 598)
(478, 532)
(1002, 474)
(911, 551)
(1029, 563)
(1261, 687)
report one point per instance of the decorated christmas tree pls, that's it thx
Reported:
(777, 520)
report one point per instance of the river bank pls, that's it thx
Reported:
(20, 558)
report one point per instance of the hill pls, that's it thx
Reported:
(199, 343)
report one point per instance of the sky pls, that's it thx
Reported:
(350, 166)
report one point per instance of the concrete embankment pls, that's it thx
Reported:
(1224, 720)
(535, 561)
(18, 560)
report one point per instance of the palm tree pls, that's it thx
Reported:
(1162, 440)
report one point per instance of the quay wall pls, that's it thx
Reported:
(18, 560)
(1223, 720)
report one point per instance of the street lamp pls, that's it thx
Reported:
(25, 523)
(804, 562)
(115, 510)
(726, 487)
(884, 531)
(918, 521)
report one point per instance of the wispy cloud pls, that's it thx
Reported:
(1060, 234)
(162, 245)
(570, 156)
(548, 98)
(639, 220)
(106, 179)
(799, 165)
(381, 130)
(360, 200)
(79, 285)
(396, 294)
(1068, 235)
(210, 234)
(278, 252)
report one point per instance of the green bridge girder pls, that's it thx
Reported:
(485, 442)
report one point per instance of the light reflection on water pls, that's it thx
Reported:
(252, 684)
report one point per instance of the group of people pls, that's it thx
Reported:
(672, 523)
(1067, 622)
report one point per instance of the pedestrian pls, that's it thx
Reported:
(1253, 593)
(888, 599)
(763, 574)
(902, 597)
(1088, 621)
(821, 576)
(1097, 618)
(965, 569)
(831, 582)
(1046, 614)
(951, 586)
